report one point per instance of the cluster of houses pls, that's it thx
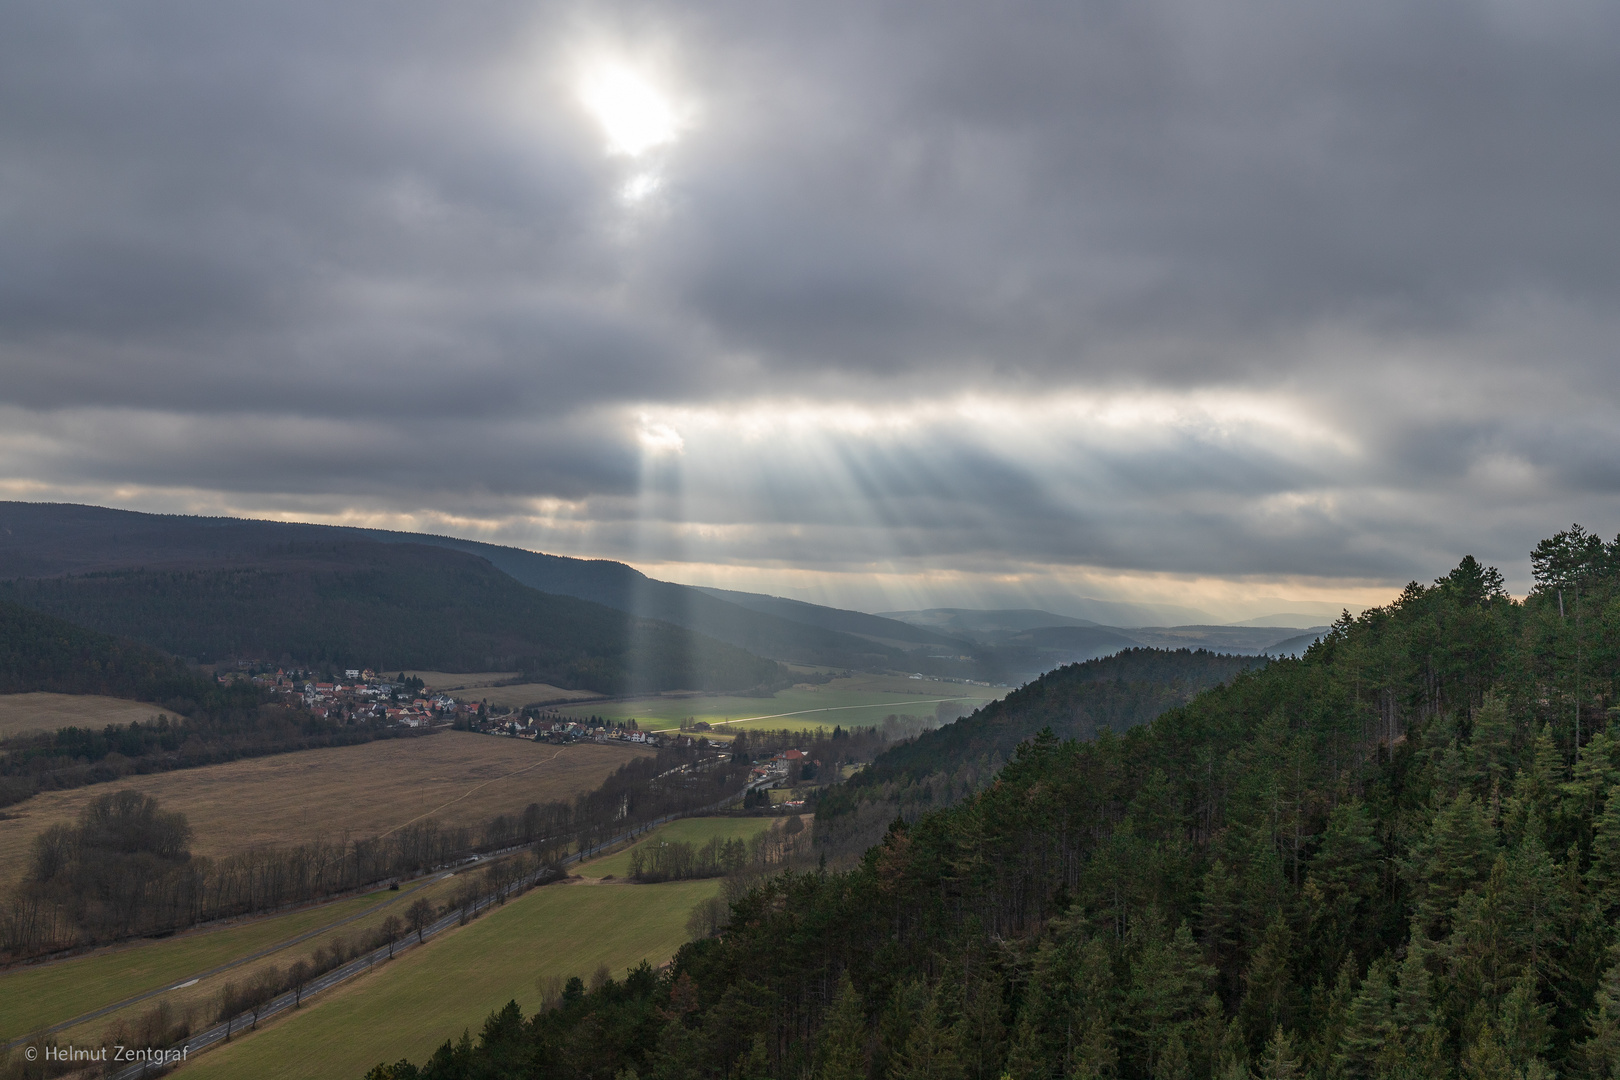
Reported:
(562, 730)
(779, 766)
(363, 695)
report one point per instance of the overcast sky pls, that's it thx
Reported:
(1229, 305)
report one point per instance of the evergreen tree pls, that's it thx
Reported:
(930, 1051)
(1168, 985)
(1600, 1053)
(1455, 853)
(1367, 1024)
(841, 1043)
(1280, 1061)
(1268, 983)
(1603, 876)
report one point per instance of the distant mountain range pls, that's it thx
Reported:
(1080, 639)
(221, 588)
(181, 583)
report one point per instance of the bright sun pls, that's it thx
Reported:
(633, 114)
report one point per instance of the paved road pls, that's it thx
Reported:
(220, 1032)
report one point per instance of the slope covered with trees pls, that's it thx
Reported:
(41, 653)
(393, 606)
(942, 766)
(1398, 856)
(41, 540)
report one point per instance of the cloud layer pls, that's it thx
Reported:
(1171, 301)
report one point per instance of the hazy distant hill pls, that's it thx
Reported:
(616, 585)
(986, 626)
(840, 619)
(1251, 640)
(1295, 646)
(1297, 620)
(47, 539)
(1081, 610)
(361, 603)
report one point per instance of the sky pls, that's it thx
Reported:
(1236, 306)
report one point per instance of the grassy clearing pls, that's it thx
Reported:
(689, 830)
(863, 699)
(37, 996)
(47, 712)
(408, 1007)
(458, 777)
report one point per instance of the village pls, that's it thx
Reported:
(366, 697)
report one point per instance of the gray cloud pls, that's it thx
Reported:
(366, 258)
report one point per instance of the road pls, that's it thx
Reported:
(220, 1032)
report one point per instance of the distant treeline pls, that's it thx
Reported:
(362, 604)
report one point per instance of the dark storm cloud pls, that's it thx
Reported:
(378, 250)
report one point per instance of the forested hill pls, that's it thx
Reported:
(394, 606)
(1077, 701)
(41, 540)
(1398, 856)
(39, 652)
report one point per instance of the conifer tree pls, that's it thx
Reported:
(1367, 1023)
(1280, 1061)
(1603, 877)
(841, 1044)
(1414, 1011)
(1268, 983)
(1524, 1029)
(1600, 1053)
(930, 1050)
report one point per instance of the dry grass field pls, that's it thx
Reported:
(458, 777)
(47, 712)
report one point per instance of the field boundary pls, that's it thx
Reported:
(831, 708)
(238, 962)
(219, 1032)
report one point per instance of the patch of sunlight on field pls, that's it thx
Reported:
(857, 701)
(408, 1007)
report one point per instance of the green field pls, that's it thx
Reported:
(861, 700)
(697, 831)
(408, 1007)
(38, 996)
